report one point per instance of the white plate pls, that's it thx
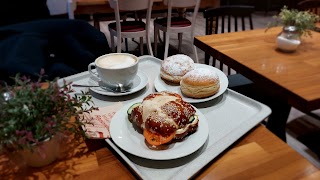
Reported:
(139, 82)
(161, 85)
(127, 138)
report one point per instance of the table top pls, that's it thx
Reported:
(253, 53)
(258, 154)
(97, 2)
(102, 6)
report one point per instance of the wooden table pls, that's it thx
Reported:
(101, 10)
(295, 77)
(102, 6)
(259, 154)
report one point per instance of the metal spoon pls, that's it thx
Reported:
(118, 89)
(83, 85)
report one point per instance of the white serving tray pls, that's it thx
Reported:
(237, 114)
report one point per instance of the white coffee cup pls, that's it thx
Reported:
(115, 69)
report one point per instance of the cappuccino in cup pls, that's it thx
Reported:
(115, 68)
(117, 61)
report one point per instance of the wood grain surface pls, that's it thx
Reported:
(259, 154)
(254, 54)
(102, 6)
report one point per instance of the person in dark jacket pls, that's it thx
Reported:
(61, 47)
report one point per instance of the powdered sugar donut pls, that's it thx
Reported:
(176, 66)
(200, 83)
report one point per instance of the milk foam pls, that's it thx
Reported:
(116, 61)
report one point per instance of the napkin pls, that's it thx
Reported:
(100, 121)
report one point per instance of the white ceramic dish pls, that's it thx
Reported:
(285, 44)
(161, 85)
(139, 82)
(127, 138)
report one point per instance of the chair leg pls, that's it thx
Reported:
(156, 32)
(195, 54)
(206, 58)
(221, 66)
(159, 34)
(141, 46)
(180, 42)
(229, 71)
(149, 44)
(126, 43)
(96, 24)
(194, 48)
(160, 40)
(112, 43)
(166, 46)
(118, 45)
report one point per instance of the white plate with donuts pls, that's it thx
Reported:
(162, 85)
(128, 138)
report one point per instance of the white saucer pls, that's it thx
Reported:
(139, 82)
(161, 85)
(129, 139)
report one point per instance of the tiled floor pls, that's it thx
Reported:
(300, 128)
(303, 134)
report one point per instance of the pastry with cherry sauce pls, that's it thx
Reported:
(164, 117)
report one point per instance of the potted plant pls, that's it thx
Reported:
(295, 25)
(32, 120)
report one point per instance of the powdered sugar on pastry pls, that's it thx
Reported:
(174, 67)
(177, 65)
(200, 83)
(201, 74)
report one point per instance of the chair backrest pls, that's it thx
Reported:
(182, 4)
(60, 7)
(309, 5)
(229, 16)
(225, 15)
(129, 5)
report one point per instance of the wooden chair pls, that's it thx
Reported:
(234, 18)
(309, 5)
(171, 24)
(130, 29)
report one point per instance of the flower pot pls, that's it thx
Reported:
(289, 39)
(42, 154)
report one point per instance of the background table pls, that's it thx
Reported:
(101, 10)
(293, 77)
(102, 6)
